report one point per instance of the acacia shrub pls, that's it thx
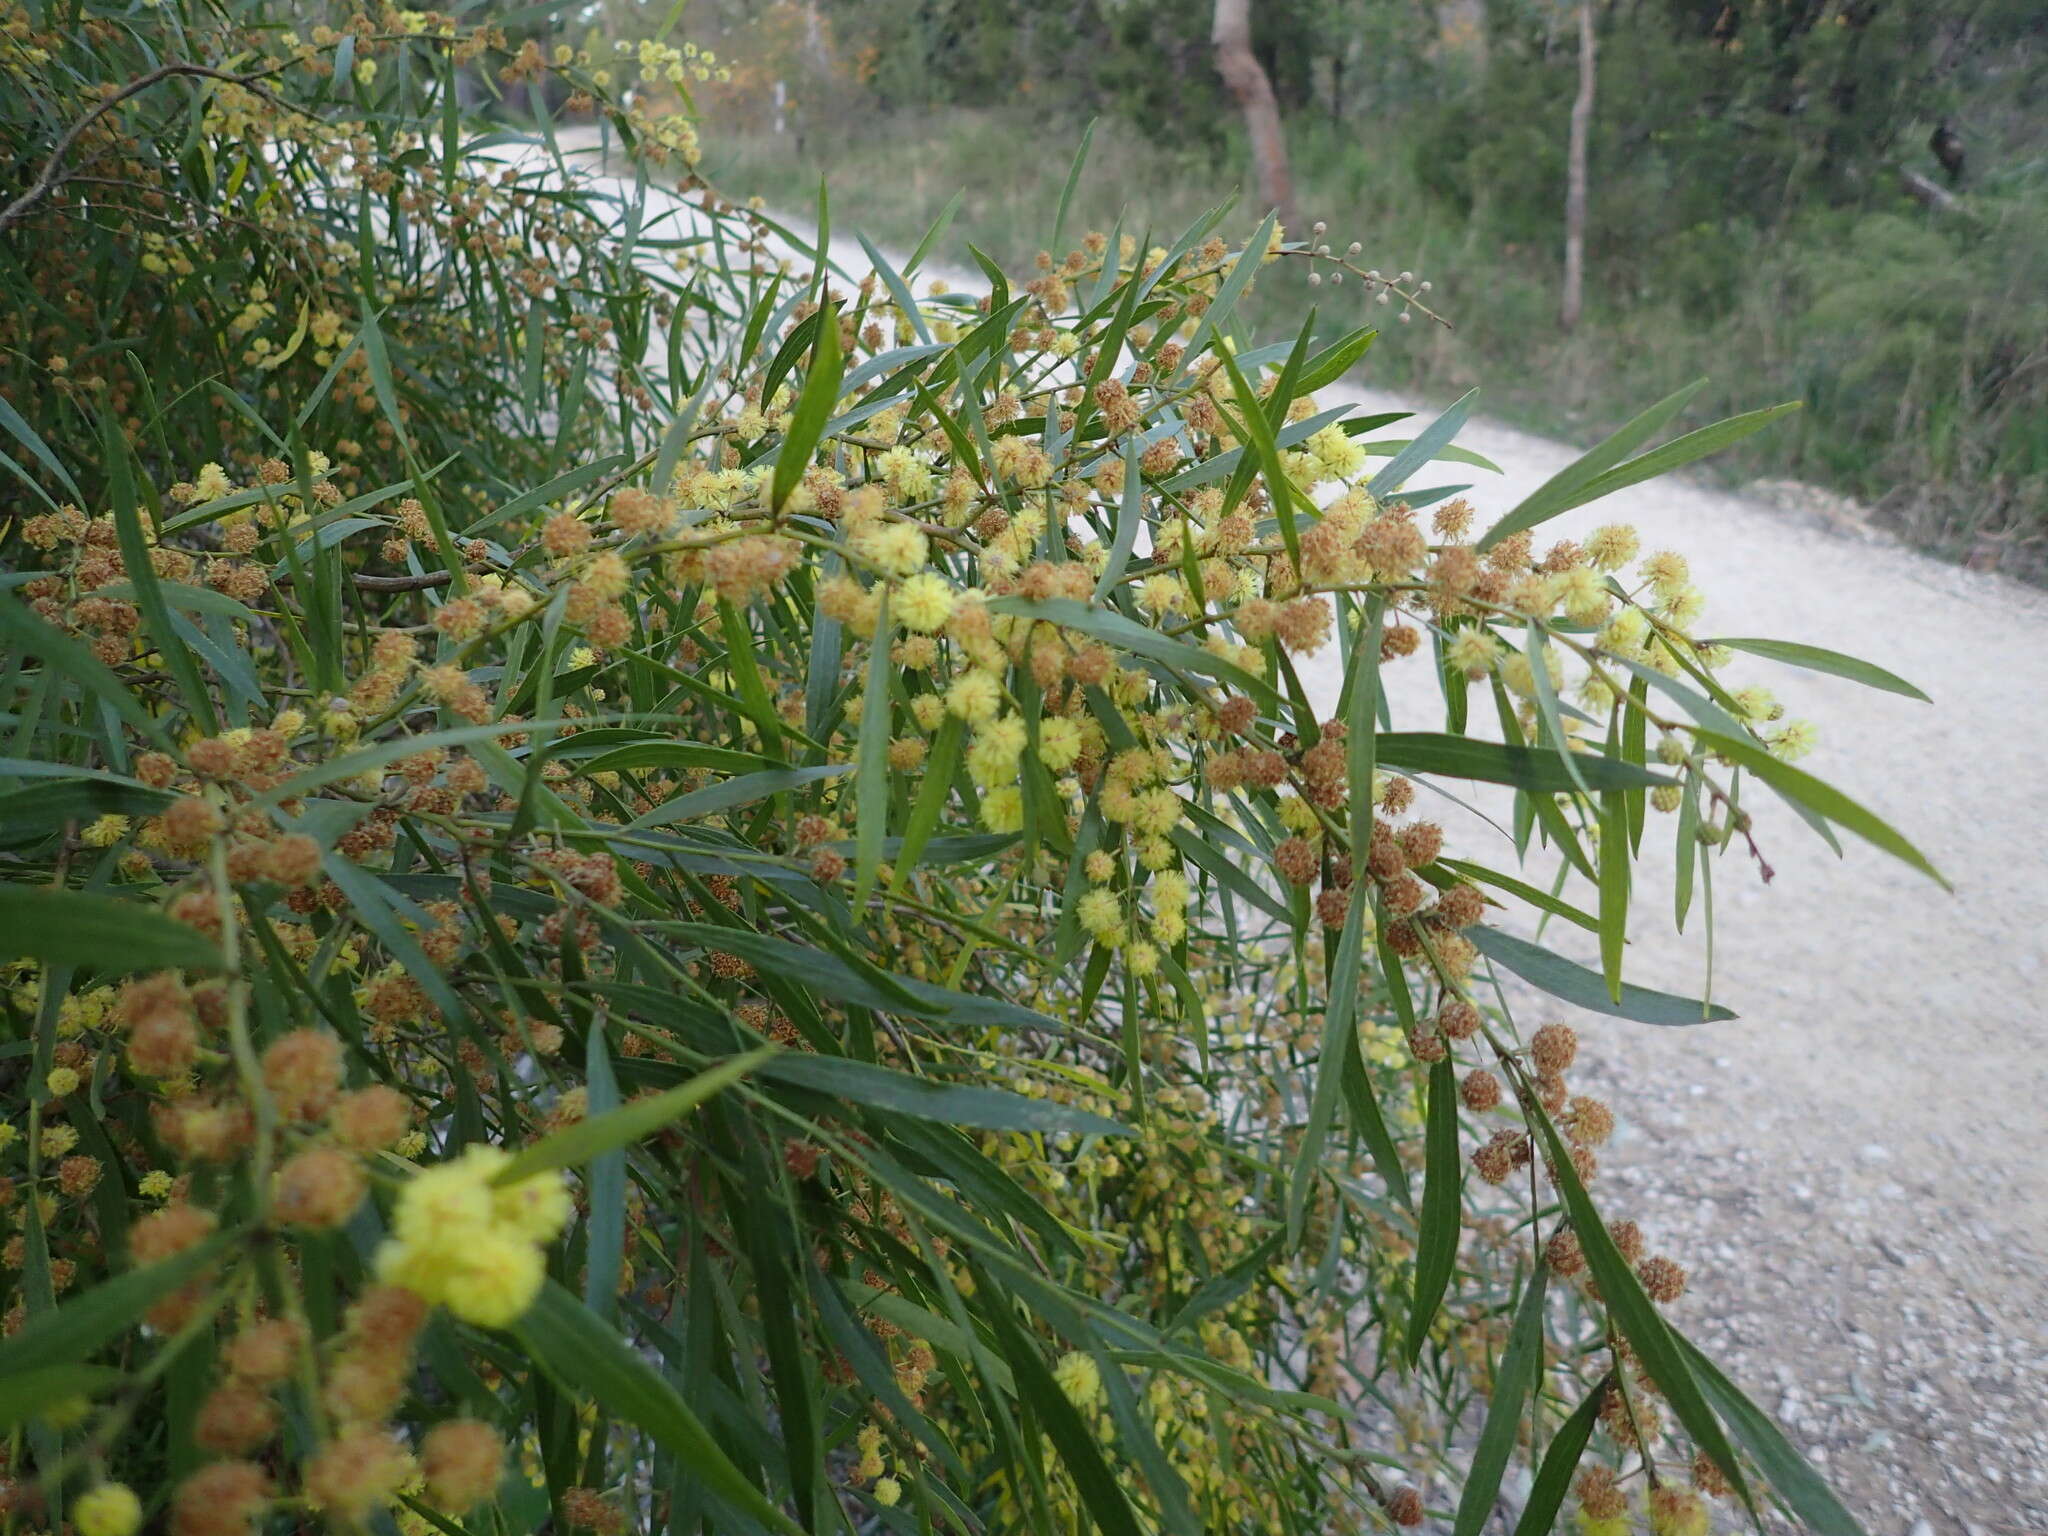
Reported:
(652, 886)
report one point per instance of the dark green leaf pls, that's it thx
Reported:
(1795, 1480)
(1630, 1309)
(987, 1109)
(1816, 659)
(627, 1123)
(1441, 1222)
(1554, 1477)
(813, 408)
(1520, 1369)
(1530, 768)
(1801, 788)
(99, 933)
(592, 1361)
(78, 1328)
(1575, 984)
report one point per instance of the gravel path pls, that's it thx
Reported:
(1856, 1170)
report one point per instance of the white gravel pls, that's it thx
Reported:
(1856, 1170)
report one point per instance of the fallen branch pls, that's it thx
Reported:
(1932, 194)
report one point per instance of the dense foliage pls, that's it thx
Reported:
(653, 886)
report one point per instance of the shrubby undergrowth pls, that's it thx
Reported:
(654, 887)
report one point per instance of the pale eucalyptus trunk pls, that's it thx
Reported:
(1253, 93)
(1575, 179)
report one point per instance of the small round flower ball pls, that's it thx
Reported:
(1002, 809)
(370, 1119)
(111, 1509)
(302, 1070)
(494, 1279)
(446, 1197)
(536, 1208)
(61, 1082)
(358, 1471)
(1404, 1505)
(1078, 1378)
(319, 1188)
(264, 1352)
(924, 602)
(1059, 743)
(1676, 1511)
(463, 1460)
(975, 697)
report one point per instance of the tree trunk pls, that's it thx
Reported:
(1575, 179)
(1253, 93)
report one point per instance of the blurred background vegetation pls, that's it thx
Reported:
(1845, 203)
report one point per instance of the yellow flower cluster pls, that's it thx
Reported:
(471, 1244)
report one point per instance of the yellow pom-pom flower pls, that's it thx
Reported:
(473, 1245)
(111, 1509)
(924, 602)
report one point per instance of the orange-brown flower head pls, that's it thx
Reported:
(166, 1233)
(370, 1119)
(1554, 1048)
(1563, 1251)
(302, 1070)
(357, 1472)
(1404, 1505)
(1458, 1019)
(265, 1352)
(1663, 1278)
(1480, 1090)
(319, 1188)
(235, 1419)
(463, 1459)
(222, 1499)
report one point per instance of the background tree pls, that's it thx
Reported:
(1575, 178)
(1253, 92)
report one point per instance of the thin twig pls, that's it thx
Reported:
(53, 175)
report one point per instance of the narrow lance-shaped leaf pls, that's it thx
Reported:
(1615, 866)
(142, 577)
(1659, 461)
(593, 1362)
(628, 1123)
(813, 406)
(1441, 1222)
(1059, 223)
(871, 781)
(1788, 1472)
(1395, 472)
(1520, 1368)
(1630, 1309)
(1816, 658)
(102, 933)
(78, 1328)
(1554, 495)
(1339, 1027)
(1554, 1477)
(604, 1182)
(1800, 788)
(1574, 983)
